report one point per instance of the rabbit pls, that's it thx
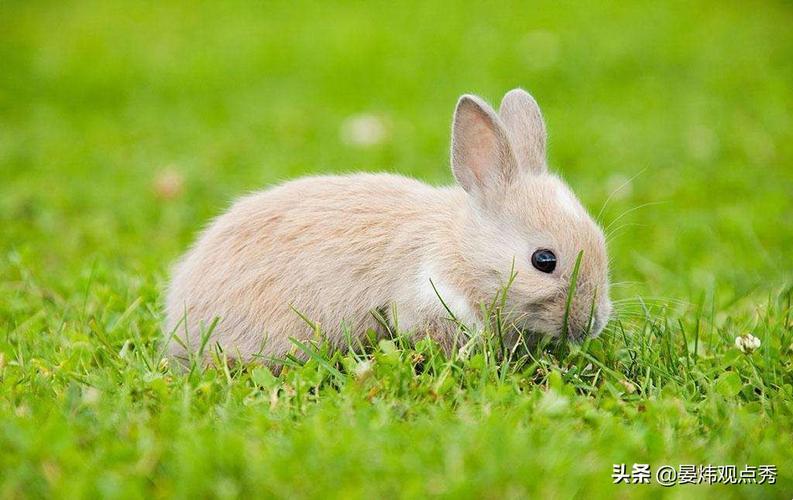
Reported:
(333, 249)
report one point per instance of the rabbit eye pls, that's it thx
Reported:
(544, 260)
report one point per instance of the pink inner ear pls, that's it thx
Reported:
(483, 149)
(481, 155)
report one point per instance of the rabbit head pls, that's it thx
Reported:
(524, 222)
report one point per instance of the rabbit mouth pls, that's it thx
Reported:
(533, 339)
(553, 332)
(543, 319)
(541, 322)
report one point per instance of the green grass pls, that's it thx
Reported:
(692, 101)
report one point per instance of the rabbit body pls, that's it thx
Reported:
(340, 251)
(334, 249)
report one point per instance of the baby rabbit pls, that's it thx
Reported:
(336, 248)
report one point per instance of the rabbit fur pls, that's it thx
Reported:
(333, 249)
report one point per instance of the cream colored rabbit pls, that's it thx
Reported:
(336, 248)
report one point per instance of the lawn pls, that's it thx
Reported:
(125, 126)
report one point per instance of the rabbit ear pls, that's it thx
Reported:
(526, 129)
(482, 159)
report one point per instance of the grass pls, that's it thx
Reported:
(686, 105)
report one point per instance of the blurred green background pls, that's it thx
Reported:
(125, 126)
(694, 100)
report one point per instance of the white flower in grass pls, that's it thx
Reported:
(364, 130)
(747, 343)
(363, 369)
(91, 396)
